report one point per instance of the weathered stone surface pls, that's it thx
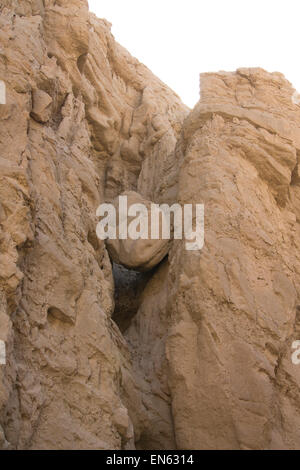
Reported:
(142, 254)
(230, 312)
(202, 358)
(235, 304)
(41, 106)
(81, 120)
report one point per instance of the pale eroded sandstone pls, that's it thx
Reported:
(141, 254)
(201, 358)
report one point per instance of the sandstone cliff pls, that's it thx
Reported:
(195, 354)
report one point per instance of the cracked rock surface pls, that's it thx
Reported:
(196, 353)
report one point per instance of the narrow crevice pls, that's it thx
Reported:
(129, 286)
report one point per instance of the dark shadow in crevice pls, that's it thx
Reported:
(129, 286)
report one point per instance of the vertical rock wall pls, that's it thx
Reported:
(82, 118)
(234, 306)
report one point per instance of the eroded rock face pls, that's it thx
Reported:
(230, 312)
(234, 305)
(203, 358)
(81, 120)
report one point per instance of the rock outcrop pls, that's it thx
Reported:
(235, 305)
(82, 122)
(196, 353)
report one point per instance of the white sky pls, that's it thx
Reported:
(179, 39)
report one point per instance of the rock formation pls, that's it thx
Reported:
(141, 254)
(196, 353)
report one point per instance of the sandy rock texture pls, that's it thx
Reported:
(195, 353)
(81, 120)
(144, 253)
(235, 305)
(220, 324)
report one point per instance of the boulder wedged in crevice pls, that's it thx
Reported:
(140, 250)
(202, 355)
